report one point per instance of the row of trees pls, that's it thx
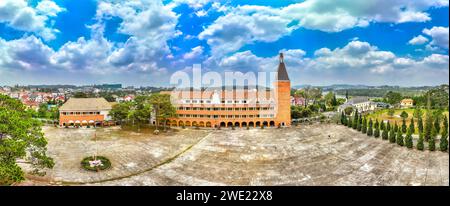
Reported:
(394, 133)
(141, 109)
(20, 138)
(438, 97)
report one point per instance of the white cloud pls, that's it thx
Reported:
(439, 36)
(249, 24)
(194, 53)
(19, 15)
(417, 40)
(201, 13)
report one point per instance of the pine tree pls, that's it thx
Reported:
(349, 122)
(408, 139)
(445, 124)
(395, 127)
(404, 126)
(443, 144)
(342, 117)
(364, 126)
(377, 129)
(385, 134)
(388, 126)
(420, 125)
(382, 126)
(428, 128)
(392, 136)
(355, 119)
(437, 124)
(400, 138)
(370, 130)
(420, 145)
(432, 140)
(359, 124)
(412, 126)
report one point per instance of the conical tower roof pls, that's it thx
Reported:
(282, 74)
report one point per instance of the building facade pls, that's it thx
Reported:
(237, 107)
(362, 104)
(405, 103)
(84, 111)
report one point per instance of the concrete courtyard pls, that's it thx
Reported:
(319, 154)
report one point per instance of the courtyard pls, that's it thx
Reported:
(317, 154)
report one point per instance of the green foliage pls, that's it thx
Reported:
(382, 126)
(342, 119)
(437, 124)
(400, 138)
(396, 128)
(420, 145)
(300, 112)
(20, 137)
(412, 126)
(418, 113)
(404, 126)
(420, 124)
(428, 126)
(364, 126)
(392, 136)
(349, 122)
(409, 139)
(431, 144)
(393, 97)
(348, 110)
(370, 129)
(443, 144)
(404, 115)
(385, 134)
(391, 112)
(377, 129)
(106, 164)
(355, 120)
(388, 125)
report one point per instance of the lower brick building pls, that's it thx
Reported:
(84, 111)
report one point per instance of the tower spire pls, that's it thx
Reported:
(281, 57)
(282, 74)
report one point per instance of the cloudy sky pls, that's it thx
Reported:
(143, 42)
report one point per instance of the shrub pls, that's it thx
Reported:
(404, 126)
(388, 126)
(400, 138)
(106, 164)
(349, 122)
(420, 145)
(412, 126)
(377, 129)
(443, 145)
(370, 130)
(385, 134)
(364, 126)
(392, 136)
(431, 143)
(408, 139)
(420, 124)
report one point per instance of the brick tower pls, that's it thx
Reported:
(282, 86)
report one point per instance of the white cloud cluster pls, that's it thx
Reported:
(248, 24)
(439, 36)
(19, 15)
(357, 62)
(418, 40)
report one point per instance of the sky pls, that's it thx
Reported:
(144, 42)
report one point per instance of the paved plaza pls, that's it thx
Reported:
(318, 154)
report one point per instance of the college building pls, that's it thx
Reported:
(85, 111)
(236, 107)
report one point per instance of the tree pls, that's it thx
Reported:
(391, 112)
(385, 135)
(377, 129)
(420, 145)
(80, 95)
(346, 94)
(392, 136)
(21, 137)
(404, 126)
(432, 140)
(163, 108)
(349, 122)
(364, 126)
(437, 123)
(355, 120)
(342, 117)
(42, 111)
(370, 130)
(428, 127)
(392, 97)
(382, 125)
(388, 126)
(417, 113)
(400, 138)
(395, 127)
(360, 122)
(404, 115)
(119, 112)
(420, 124)
(408, 139)
(412, 126)
(443, 143)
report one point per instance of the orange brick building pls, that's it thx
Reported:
(84, 111)
(243, 107)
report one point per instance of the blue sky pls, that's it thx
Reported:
(143, 42)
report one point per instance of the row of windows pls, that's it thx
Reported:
(195, 101)
(227, 109)
(79, 113)
(226, 116)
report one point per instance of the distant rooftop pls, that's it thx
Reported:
(86, 104)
